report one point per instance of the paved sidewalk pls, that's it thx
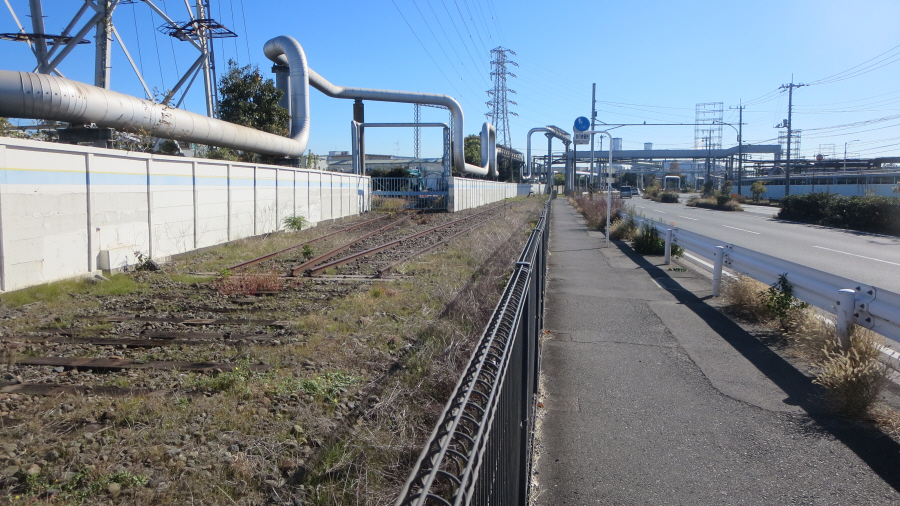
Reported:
(653, 397)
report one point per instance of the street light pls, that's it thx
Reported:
(740, 152)
(609, 179)
(845, 152)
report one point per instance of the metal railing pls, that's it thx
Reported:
(480, 450)
(409, 193)
(865, 305)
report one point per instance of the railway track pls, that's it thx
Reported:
(376, 256)
(255, 380)
(130, 332)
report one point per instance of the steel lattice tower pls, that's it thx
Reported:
(499, 104)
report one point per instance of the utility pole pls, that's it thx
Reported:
(740, 109)
(787, 169)
(593, 121)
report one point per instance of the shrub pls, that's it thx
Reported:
(879, 215)
(648, 242)
(853, 378)
(594, 210)
(781, 305)
(721, 203)
(623, 230)
(295, 222)
(668, 197)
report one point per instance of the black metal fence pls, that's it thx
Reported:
(480, 451)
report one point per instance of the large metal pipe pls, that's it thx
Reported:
(488, 132)
(41, 96)
(528, 152)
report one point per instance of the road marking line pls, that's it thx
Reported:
(685, 217)
(855, 255)
(660, 212)
(742, 230)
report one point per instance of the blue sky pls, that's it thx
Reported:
(652, 61)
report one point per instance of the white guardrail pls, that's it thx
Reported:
(868, 306)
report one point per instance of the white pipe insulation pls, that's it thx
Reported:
(41, 96)
(274, 50)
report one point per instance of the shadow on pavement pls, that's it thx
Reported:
(873, 446)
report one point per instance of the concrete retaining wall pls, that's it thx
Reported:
(469, 193)
(68, 210)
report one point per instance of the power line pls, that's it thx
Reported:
(246, 34)
(475, 24)
(425, 48)
(462, 39)
(441, 47)
(856, 71)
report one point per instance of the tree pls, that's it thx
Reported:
(629, 179)
(757, 189)
(674, 167)
(311, 160)
(250, 100)
(559, 179)
(727, 187)
(169, 147)
(472, 149)
(6, 128)
(897, 189)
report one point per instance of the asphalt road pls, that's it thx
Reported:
(868, 258)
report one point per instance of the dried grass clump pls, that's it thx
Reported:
(742, 296)
(249, 284)
(623, 230)
(853, 378)
(594, 210)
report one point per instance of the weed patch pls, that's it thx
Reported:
(648, 242)
(249, 284)
(593, 208)
(721, 203)
(853, 378)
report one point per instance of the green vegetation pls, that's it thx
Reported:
(50, 293)
(757, 189)
(250, 100)
(648, 242)
(880, 215)
(295, 223)
(780, 304)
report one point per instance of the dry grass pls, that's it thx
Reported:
(623, 230)
(593, 208)
(723, 203)
(852, 379)
(249, 284)
(345, 430)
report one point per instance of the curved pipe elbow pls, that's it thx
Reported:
(286, 50)
(528, 153)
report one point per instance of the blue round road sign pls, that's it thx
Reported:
(582, 124)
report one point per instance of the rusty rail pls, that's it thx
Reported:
(302, 267)
(314, 271)
(291, 248)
